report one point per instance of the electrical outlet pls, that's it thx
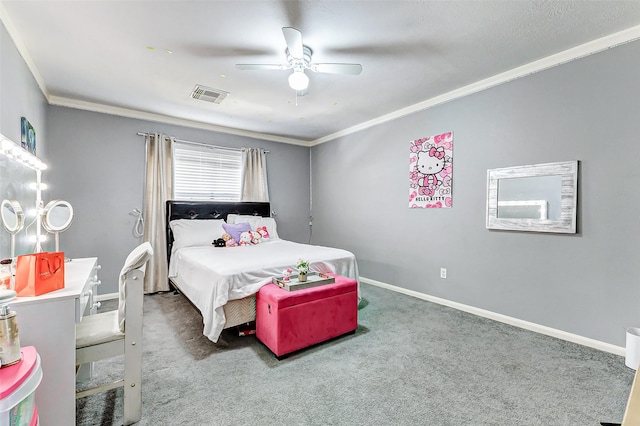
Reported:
(443, 272)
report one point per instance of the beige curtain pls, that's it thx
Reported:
(157, 192)
(254, 175)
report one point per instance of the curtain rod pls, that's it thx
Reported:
(200, 143)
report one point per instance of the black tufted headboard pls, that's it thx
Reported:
(209, 210)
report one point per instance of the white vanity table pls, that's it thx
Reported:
(48, 323)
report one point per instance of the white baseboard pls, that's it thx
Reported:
(109, 296)
(581, 340)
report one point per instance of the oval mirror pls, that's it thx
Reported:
(57, 216)
(12, 216)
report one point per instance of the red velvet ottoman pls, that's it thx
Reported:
(287, 321)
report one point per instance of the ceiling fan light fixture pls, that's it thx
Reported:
(298, 57)
(298, 80)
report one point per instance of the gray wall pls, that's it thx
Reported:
(20, 96)
(98, 165)
(588, 283)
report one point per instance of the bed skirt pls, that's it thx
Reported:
(236, 312)
(240, 311)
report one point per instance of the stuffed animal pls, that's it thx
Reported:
(286, 275)
(263, 232)
(228, 241)
(255, 237)
(219, 242)
(245, 238)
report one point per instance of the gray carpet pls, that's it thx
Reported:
(410, 362)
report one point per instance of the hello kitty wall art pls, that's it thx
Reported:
(431, 171)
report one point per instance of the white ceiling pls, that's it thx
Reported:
(94, 55)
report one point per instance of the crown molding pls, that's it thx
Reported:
(125, 112)
(131, 113)
(22, 49)
(581, 51)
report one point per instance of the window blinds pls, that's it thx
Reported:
(202, 172)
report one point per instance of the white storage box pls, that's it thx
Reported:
(18, 384)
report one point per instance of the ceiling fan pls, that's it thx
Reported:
(299, 59)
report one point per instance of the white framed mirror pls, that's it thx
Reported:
(57, 217)
(538, 197)
(12, 220)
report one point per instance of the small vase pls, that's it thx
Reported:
(302, 277)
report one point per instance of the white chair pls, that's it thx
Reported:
(114, 333)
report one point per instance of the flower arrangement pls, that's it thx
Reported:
(303, 269)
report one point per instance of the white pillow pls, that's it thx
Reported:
(195, 232)
(256, 222)
(231, 218)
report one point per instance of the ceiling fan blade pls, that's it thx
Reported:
(261, 67)
(353, 69)
(293, 37)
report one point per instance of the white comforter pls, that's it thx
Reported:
(210, 276)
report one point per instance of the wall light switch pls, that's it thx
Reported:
(443, 272)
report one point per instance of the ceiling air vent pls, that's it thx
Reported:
(208, 94)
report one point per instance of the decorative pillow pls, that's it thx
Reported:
(236, 229)
(258, 222)
(195, 232)
(270, 224)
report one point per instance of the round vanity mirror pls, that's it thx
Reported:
(12, 220)
(57, 216)
(12, 216)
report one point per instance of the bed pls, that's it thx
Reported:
(221, 282)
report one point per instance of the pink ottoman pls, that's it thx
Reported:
(290, 320)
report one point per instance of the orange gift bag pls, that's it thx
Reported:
(39, 273)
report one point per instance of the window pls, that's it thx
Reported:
(202, 172)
